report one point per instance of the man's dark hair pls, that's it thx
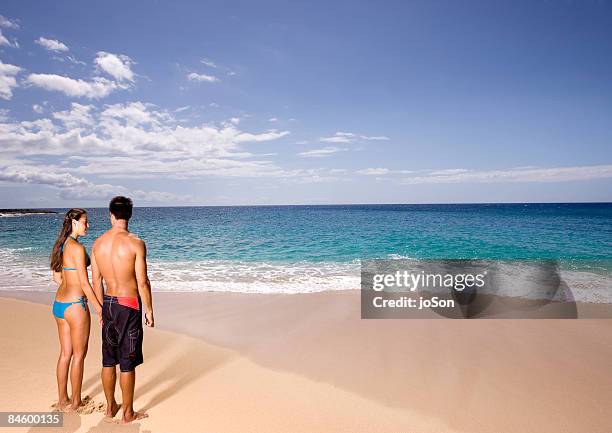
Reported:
(121, 207)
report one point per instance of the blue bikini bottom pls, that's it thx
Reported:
(59, 308)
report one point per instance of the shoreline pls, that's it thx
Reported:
(509, 375)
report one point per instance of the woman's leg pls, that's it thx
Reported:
(79, 321)
(63, 362)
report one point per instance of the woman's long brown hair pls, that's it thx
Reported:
(57, 253)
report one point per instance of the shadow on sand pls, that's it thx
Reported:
(95, 381)
(179, 372)
(183, 369)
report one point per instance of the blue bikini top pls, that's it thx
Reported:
(87, 261)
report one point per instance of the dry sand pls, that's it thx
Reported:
(308, 363)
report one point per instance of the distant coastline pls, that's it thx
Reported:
(17, 212)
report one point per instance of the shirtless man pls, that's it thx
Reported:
(119, 258)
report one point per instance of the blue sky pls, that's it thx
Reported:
(229, 103)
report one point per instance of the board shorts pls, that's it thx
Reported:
(122, 332)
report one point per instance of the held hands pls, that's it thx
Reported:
(99, 313)
(149, 321)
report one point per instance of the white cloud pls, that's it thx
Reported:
(8, 23)
(273, 119)
(69, 58)
(201, 78)
(264, 136)
(181, 109)
(319, 153)
(141, 141)
(218, 67)
(97, 88)
(374, 137)
(40, 175)
(51, 44)
(373, 171)
(554, 174)
(349, 137)
(73, 187)
(4, 41)
(121, 150)
(7, 79)
(116, 65)
(340, 137)
(105, 147)
(37, 108)
(448, 171)
(137, 167)
(78, 116)
(134, 113)
(43, 137)
(208, 63)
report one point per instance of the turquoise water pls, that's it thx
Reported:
(298, 246)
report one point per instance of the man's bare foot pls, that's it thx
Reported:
(127, 418)
(112, 410)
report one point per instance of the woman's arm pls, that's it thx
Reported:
(57, 277)
(96, 277)
(81, 270)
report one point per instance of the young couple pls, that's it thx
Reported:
(118, 258)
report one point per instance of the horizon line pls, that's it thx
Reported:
(331, 204)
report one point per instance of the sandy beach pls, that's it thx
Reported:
(340, 216)
(229, 362)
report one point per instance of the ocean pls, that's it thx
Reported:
(296, 249)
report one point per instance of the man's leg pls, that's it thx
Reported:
(109, 377)
(127, 380)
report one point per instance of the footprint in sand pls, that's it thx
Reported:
(57, 407)
(87, 406)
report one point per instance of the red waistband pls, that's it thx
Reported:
(127, 301)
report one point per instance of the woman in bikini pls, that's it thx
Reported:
(69, 262)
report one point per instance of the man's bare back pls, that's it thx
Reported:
(120, 259)
(116, 252)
